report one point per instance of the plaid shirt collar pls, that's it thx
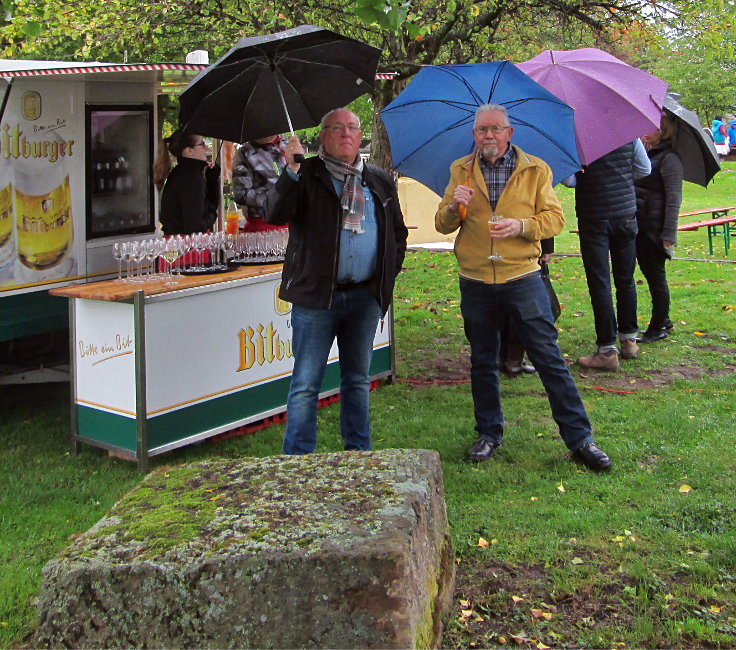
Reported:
(497, 175)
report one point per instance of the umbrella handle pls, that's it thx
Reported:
(462, 210)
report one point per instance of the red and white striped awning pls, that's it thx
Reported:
(22, 68)
(18, 68)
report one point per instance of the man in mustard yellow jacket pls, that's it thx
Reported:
(502, 200)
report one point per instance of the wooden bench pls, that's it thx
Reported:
(721, 224)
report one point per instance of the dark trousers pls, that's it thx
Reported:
(599, 239)
(483, 306)
(651, 257)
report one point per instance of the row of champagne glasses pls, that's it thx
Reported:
(261, 247)
(140, 258)
(196, 253)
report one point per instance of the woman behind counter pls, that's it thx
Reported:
(191, 193)
(658, 198)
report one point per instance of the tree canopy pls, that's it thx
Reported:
(670, 38)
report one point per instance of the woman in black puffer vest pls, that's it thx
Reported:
(658, 198)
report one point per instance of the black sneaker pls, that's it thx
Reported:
(592, 457)
(651, 336)
(481, 449)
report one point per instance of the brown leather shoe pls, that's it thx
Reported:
(511, 367)
(629, 349)
(527, 367)
(601, 360)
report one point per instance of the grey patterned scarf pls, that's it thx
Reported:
(352, 200)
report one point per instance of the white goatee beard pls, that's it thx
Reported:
(489, 150)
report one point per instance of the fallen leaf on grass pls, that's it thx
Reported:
(482, 543)
(699, 333)
(465, 603)
(540, 613)
(577, 560)
(685, 489)
(727, 307)
(715, 608)
(541, 646)
(517, 599)
(466, 613)
(561, 487)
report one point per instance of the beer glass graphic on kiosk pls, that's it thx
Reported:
(43, 209)
(7, 225)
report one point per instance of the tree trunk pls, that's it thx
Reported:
(382, 96)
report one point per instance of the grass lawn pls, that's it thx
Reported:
(548, 554)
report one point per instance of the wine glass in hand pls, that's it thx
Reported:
(495, 219)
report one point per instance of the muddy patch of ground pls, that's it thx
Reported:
(450, 369)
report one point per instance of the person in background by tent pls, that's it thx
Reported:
(191, 190)
(732, 136)
(256, 167)
(720, 136)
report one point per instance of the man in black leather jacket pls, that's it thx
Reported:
(347, 241)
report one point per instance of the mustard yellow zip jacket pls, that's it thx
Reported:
(528, 196)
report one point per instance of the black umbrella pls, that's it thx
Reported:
(695, 148)
(307, 70)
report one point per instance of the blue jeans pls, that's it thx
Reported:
(353, 319)
(598, 239)
(484, 307)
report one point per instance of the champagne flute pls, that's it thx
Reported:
(492, 222)
(118, 253)
(128, 257)
(150, 245)
(139, 254)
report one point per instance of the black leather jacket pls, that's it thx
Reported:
(311, 208)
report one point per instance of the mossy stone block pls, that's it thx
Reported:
(346, 550)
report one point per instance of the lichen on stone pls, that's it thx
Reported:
(221, 506)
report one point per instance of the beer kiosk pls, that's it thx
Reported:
(76, 146)
(154, 366)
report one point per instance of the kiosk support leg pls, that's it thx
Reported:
(141, 411)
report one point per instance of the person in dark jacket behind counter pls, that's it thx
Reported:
(658, 198)
(191, 192)
(347, 241)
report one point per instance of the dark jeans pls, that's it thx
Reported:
(651, 257)
(600, 238)
(483, 308)
(353, 319)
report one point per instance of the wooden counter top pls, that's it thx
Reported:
(114, 291)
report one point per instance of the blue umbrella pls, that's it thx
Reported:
(430, 123)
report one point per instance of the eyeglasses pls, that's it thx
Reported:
(336, 128)
(493, 129)
(200, 144)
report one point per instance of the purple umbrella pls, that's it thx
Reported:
(614, 102)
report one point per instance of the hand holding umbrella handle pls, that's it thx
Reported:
(462, 209)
